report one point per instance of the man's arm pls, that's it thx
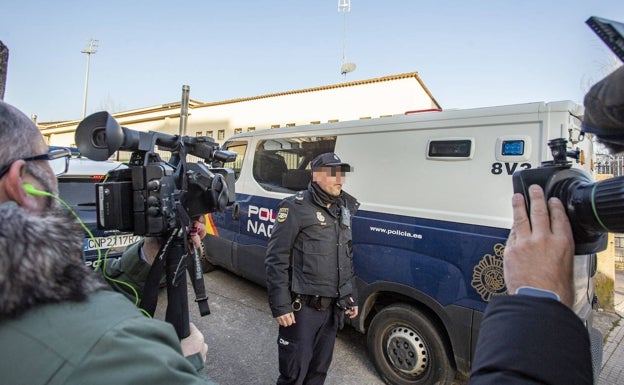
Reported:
(277, 263)
(139, 350)
(128, 273)
(526, 339)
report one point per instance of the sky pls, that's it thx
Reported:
(468, 53)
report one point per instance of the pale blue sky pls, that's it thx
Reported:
(468, 53)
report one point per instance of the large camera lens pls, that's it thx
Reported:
(593, 208)
(599, 206)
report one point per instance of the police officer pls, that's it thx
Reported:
(310, 272)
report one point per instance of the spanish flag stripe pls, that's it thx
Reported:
(210, 226)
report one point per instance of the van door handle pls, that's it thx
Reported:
(235, 211)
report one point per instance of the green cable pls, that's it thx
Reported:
(29, 188)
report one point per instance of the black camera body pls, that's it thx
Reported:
(593, 208)
(152, 197)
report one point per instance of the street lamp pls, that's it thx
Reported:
(91, 48)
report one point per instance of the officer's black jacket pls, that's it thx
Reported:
(309, 252)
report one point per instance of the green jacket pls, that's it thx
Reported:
(103, 340)
(61, 324)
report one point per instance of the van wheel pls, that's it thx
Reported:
(407, 348)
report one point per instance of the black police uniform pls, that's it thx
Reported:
(309, 269)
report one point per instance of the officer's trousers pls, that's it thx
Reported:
(306, 348)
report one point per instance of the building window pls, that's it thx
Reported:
(290, 124)
(251, 129)
(210, 134)
(275, 126)
(220, 134)
(198, 133)
(238, 130)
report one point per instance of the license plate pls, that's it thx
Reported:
(113, 241)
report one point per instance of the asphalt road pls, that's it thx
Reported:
(242, 337)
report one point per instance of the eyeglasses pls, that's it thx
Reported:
(58, 158)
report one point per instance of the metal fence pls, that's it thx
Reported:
(614, 165)
(608, 164)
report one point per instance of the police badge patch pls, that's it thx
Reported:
(320, 216)
(282, 214)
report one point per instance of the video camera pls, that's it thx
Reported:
(151, 197)
(160, 199)
(594, 208)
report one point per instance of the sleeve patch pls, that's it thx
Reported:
(282, 214)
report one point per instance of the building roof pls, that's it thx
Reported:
(329, 87)
(175, 106)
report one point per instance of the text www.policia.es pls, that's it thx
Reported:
(399, 233)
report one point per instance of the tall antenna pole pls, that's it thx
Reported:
(344, 6)
(184, 106)
(91, 49)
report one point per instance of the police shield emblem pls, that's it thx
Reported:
(320, 216)
(282, 214)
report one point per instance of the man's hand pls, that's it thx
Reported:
(540, 250)
(352, 312)
(194, 343)
(198, 232)
(286, 320)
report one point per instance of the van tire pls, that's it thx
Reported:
(420, 356)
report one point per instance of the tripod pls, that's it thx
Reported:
(173, 261)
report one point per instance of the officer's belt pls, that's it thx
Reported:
(316, 302)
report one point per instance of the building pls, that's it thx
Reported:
(364, 99)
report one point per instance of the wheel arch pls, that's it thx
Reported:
(449, 320)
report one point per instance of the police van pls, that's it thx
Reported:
(435, 191)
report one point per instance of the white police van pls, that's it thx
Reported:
(435, 191)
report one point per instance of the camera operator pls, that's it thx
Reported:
(129, 273)
(532, 336)
(58, 321)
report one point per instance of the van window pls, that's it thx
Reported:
(238, 147)
(284, 164)
(450, 149)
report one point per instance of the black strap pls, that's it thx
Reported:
(197, 279)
